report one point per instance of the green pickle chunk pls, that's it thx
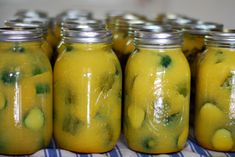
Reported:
(3, 101)
(42, 88)
(165, 61)
(18, 49)
(172, 119)
(219, 57)
(37, 71)
(229, 82)
(182, 89)
(107, 82)
(10, 77)
(71, 124)
(34, 119)
(149, 143)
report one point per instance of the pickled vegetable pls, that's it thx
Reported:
(157, 100)
(34, 119)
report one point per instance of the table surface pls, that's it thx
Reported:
(191, 149)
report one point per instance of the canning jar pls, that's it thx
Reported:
(87, 98)
(157, 90)
(215, 114)
(25, 92)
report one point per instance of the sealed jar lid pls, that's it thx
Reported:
(83, 24)
(226, 37)
(203, 28)
(26, 24)
(87, 36)
(31, 14)
(163, 37)
(20, 34)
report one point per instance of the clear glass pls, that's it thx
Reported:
(25, 98)
(157, 91)
(87, 98)
(215, 99)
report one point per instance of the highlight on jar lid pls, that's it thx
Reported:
(31, 14)
(74, 14)
(20, 34)
(26, 24)
(88, 25)
(225, 37)
(181, 22)
(165, 17)
(203, 28)
(87, 36)
(158, 37)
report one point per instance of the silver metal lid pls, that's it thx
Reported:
(26, 24)
(203, 28)
(225, 38)
(85, 25)
(145, 38)
(31, 14)
(87, 36)
(20, 34)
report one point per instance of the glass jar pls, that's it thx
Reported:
(23, 23)
(87, 87)
(215, 114)
(25, 92)
(157, 90)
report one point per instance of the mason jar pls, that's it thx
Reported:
(157, 91)
(87, 93)
(214, 117)
(25, 92)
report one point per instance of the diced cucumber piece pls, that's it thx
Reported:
(107, 82)
(182, 89)
(71, 124)
(165, 61)
(219, 55)
(149, 143)
(10, 77)
(172, 119)
(3, 102)
(69, 48)
(35, 119)
(18, 49)
(70, 97)
(42, 88)
(222, 140)
(37, 71)
(229, 82)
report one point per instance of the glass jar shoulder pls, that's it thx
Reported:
(158, 59)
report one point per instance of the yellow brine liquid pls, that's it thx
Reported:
(87, 84)
(157, 90)
(25, 98)
(214, 125)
